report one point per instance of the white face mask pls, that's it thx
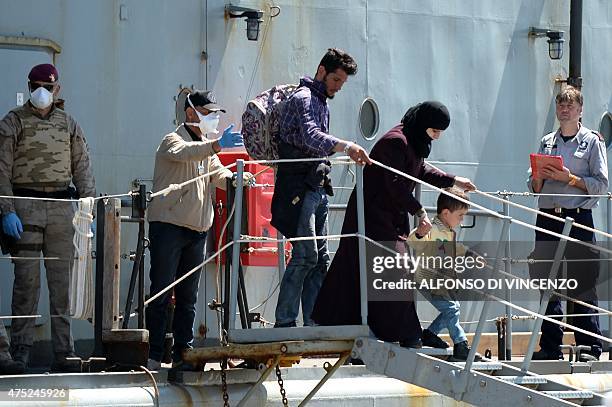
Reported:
(41, 98)
(208, 123)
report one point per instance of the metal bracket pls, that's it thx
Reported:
(330, 370)
(262, 378)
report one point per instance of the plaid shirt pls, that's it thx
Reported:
(304, 121)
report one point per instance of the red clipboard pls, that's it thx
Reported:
(538, 161)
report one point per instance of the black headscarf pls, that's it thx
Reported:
(421, 117)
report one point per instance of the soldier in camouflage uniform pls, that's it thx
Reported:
(42, 151)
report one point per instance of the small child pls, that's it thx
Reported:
(450, 213)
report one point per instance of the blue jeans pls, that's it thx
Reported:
(309, 262)
(448, 317)
(175, 250)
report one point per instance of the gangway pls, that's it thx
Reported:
(476, 383)
(485, 382)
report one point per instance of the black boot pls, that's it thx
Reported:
(461, 351)
(291, 324)
(66, 362)
(431, 339)
(21, 354)
(418, 344)
(10, 366)
(544, 354)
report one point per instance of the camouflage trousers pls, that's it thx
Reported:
(4, 344)
(48, 228)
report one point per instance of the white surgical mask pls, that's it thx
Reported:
(208, 123)
(41, 98)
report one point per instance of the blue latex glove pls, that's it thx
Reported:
(230, 138)
(11, 224)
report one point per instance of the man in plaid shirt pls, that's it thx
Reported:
(299, 205)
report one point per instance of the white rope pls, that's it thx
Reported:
(532, 194)
(61, 199)
(218, 273)
(497, 215)
(536, 194)
(37, 199)
(561, 315)
(218, 252)
(186, 275)
(516, 205)
(28, 258)
(558, 294)
(295, 239)
(548, 215)
(337, 160)
(131, 193)
(549, 319)
(81, 280)
(176, 187)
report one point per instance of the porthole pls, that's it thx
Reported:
(605, 128)
(369, 118)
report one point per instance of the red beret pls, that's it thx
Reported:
(43, 73)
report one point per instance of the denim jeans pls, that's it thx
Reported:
(448, 317)
(309, 262)
(175, 250)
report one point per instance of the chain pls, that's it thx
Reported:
(280, 384)
(224, 384)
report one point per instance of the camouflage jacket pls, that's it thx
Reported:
(11, 134)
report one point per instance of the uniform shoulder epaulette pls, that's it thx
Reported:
(598, 134)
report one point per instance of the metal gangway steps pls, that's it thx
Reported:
(481, 384)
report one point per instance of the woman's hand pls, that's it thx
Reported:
(465, 184)
(424, 225)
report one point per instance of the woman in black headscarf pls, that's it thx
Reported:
(388, 201)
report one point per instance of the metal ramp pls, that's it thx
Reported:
(485, 382)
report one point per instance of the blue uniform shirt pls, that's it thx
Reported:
(585, 156)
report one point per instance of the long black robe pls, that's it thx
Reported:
(388, 200)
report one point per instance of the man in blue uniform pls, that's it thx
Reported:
(585, 172)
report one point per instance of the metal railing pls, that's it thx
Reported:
(502, 254)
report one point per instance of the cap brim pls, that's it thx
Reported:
(214, 107)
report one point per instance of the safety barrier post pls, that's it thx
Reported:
(363, 278)
(233, 299)
(485, 307)
(508, 269)
(560, 250)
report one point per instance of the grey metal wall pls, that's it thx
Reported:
(122, 61)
